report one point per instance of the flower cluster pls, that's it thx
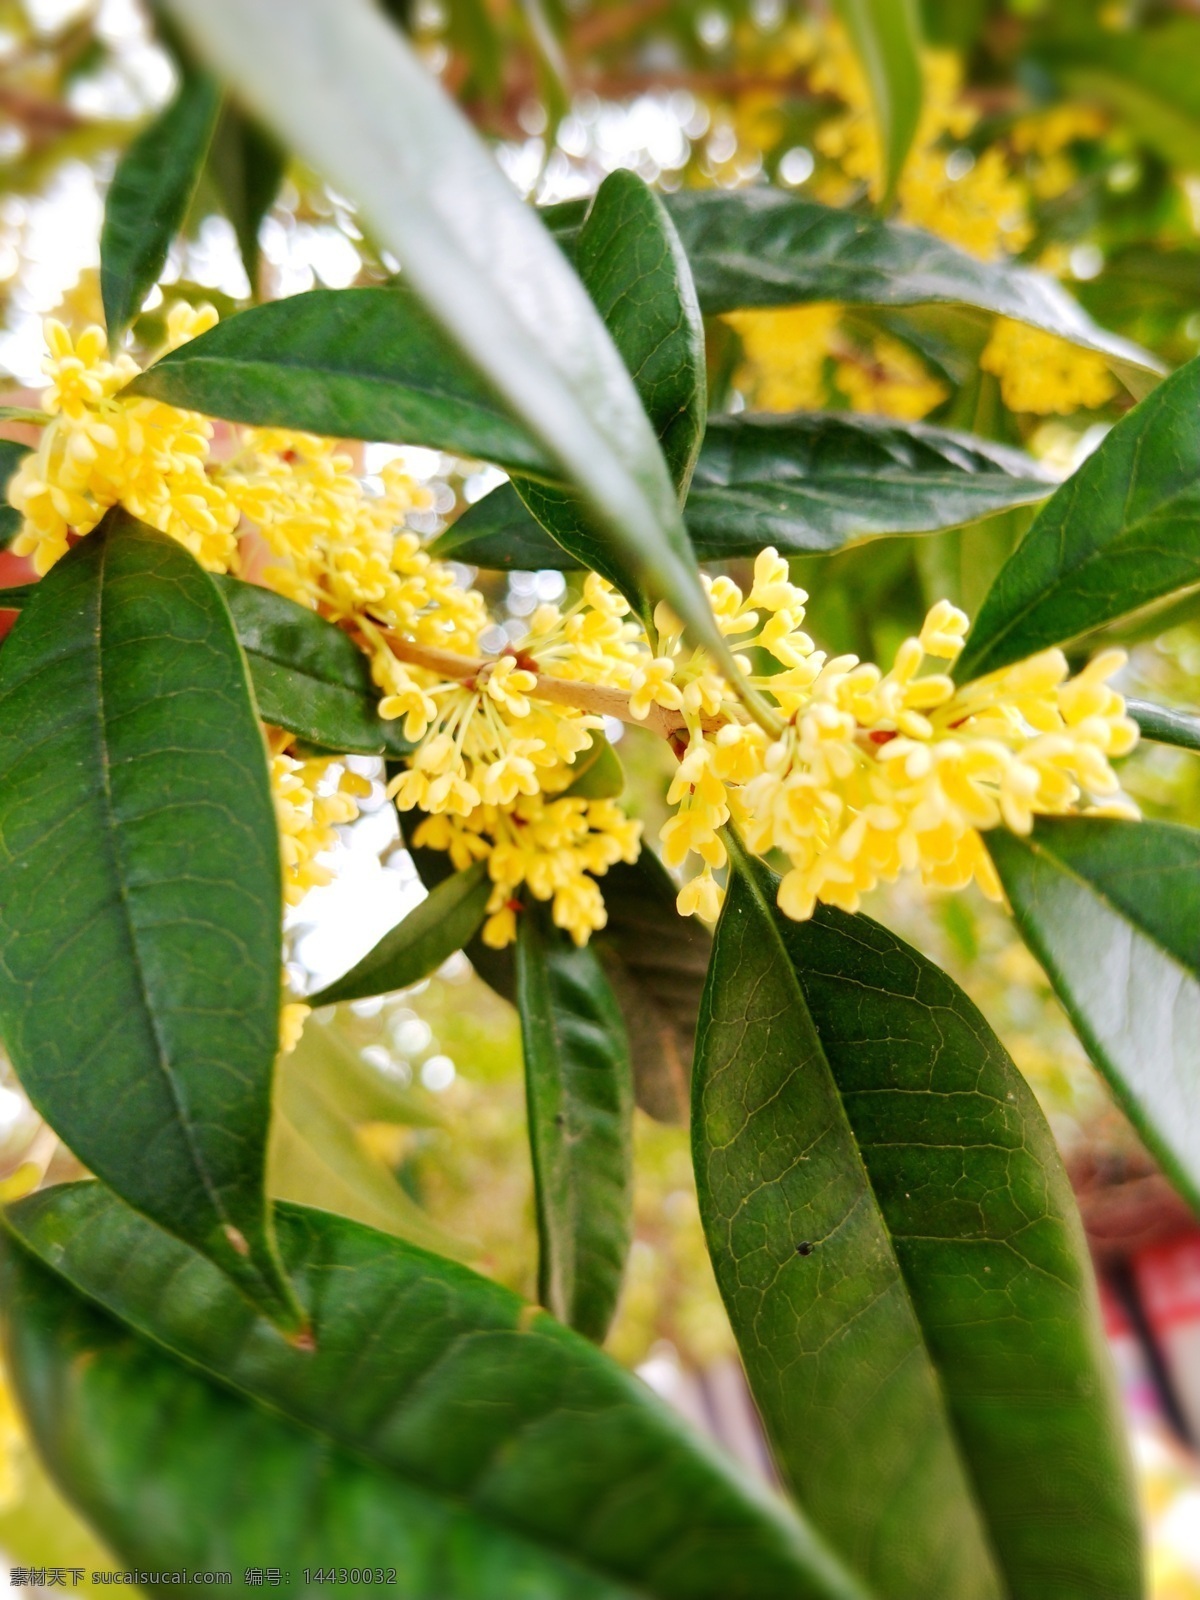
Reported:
(878, 773)
(872, 773)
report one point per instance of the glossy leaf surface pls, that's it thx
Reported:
(898, 1249)
(809, 482)
(1165, 725)
(348, 363)
(579, 1094)
(1112, 911)
(151, 191)
(481, 1448)
(308, 676)
(448, 918)
(140, 945)
(886, 35)
(11, 456)
(344, 89)
(764, 247)
(632, 264)
(1122, 531)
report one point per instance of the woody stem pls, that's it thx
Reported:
(596, 698)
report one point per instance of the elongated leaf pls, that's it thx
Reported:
(886, 36)
(656, 961)
(633, 266)
(764, 247)
(308, 676)
(810, 482)
(18, 597)
(1123, 531)
(140, 944)
(579, 1092)
(350, 363)
(438, 1426)
(1165, 725)
(449, 916)
(1112, 911)
(344, 89)
(11, 456)
(247, 165)
(149, 198)
(895, 1238)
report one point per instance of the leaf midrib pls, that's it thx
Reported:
(111, 835)
(738, 859)
(1087, 558)
(355, 1452)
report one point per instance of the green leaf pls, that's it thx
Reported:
(449, 916)
(1146, 74)
(1122, 531)
(898, 1249)
(348, 95)
(579, 1094)
(247, 166)
(633, 266)
(140, 948)
(1165, 725)
(309, 676)
(11, 457)
(813, 481)
(18, 597)
(151, 191)
(763, 247)
(1112, 911)
(656, 962)
(886, 35)
(601, 775)
(347, 363)
(439, 1426)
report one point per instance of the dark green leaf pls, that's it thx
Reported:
(886, 35)
(1112, 911)
(140, 948)
(348, 363)
(810, 482)
(1123, 531)
(149, 198)
(308, 676)
(351, 98)
(900, 1255)
(763, 247)
(247, 165)
(11, 457)
(1165, 725)
(18, 597)
(439, 1425)
(601, 775)
(579, 1093)
(449, 916)
(656, 961)
(633, 266)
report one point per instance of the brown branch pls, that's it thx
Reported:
(596, 698)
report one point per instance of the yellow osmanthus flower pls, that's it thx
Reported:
(554, 847)
(312, 799)
(103, 449)
(879, 773)
(1042, 374)
(976, 203)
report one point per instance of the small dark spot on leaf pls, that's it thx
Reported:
(559, 1120)
(804, 1248)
